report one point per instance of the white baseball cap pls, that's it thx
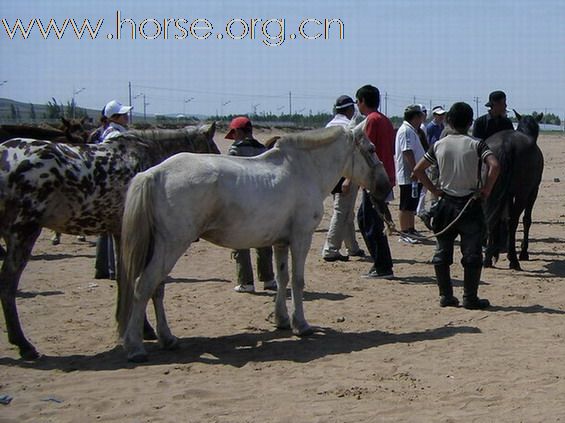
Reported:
(114, 107)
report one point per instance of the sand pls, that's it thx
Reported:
(384, 352)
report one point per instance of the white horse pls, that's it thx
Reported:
(272, 199)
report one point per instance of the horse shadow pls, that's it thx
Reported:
(33, 294)
(536, 308)
(60, 256)
(554, 269)
(240, 349)
(170, 279)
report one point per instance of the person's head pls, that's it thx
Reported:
(414, 115)
(116, 112)
(497, 103)
(240, 129)
(438, 114)
(368, 99)
(344, 105)
(425, 111)
(460, 117)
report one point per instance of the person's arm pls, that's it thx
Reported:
(345, 186)
(492, 174)
(420, 174)
(409, 160)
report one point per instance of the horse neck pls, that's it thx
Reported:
(160, 145)
(328, 163)
(532, 132)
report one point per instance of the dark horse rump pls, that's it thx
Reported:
(515, 191)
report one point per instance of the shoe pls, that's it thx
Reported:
(476, 303)
(416, 233)
(55, 241)
(101, 276)
(270, 285)
(358, 253)
(338, 257)
(81, 238)
(448, 301)
(373, 274)
(408, 240)
(245, 288)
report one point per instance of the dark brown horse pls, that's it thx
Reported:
(74, 189)
(516, 190)
(72, 131)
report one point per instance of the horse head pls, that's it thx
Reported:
(529, 125)
(74, 130)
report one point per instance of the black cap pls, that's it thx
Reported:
(343, 102)
(495, 97)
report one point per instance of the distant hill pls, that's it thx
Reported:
(23, 113)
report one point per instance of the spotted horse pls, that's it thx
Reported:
(74, 189)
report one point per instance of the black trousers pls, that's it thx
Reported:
(372, 229)
(470, 227)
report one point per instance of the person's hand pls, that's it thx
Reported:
(345, 187)
(437, 192)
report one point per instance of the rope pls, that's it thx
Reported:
(391, 228)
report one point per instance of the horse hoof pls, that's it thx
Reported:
(487, 264)
(524, 256)
(29, 354)
(137, 358)
(170, 344)
(515, 266)
(305, 331)
(149, 334)
(283, 324)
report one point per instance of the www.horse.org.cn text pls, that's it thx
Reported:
(272, 32)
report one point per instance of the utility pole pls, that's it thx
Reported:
(476, 105)
(414, 98)
(130, 111)
(145, 104)
(386, 103)
(290, 103)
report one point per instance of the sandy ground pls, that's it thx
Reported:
(385, 350)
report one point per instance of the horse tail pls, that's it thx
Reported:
(136, 242)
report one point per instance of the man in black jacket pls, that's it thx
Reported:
(495, 120)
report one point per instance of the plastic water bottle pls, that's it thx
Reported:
(415, 193)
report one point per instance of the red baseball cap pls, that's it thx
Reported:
(239, 122)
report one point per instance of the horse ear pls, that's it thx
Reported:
(539, 117)
(211, 130)
(518, 115)
(65, 122)
(84, 120)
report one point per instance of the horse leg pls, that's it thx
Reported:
(147, 286)
(167, 340)
(526, 223)
(299, 251)
(491, 253)
(148, 332)
(281, 270)
(512, 226)
(19, 248)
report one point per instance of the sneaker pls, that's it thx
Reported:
(270, 285)
(358, 253)
(245, 288)
(416, 233)
(408, 240)
(337, 257)
(373, 274)
(81, 238)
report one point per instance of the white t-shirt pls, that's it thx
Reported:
(339, 120)
(407, 139)
(113, 130)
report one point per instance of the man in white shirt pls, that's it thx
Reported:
(342, 226)
(408, 151)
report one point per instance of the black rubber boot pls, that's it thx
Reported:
(472, 277)
(446, 298)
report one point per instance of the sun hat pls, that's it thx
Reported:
(495, 97)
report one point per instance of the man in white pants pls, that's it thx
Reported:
(342, 226)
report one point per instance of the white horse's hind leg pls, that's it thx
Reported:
(166, 338)
(148, 285)
(299, 251)
(281, 262)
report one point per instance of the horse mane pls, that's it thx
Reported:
(309, 139)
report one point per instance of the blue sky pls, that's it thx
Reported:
(438, 51)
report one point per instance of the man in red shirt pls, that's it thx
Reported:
(380, 132)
